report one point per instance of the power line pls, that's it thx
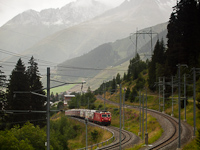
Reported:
(23, 56)
(76, 76)
(84, 68)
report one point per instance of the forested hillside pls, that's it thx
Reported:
(182, 52)
(183, 47)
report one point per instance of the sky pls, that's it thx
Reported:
(10, 8)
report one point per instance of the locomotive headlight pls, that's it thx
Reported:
(102, 119)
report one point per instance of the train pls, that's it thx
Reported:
(96, 116)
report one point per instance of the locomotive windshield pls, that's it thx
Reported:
(104, 115)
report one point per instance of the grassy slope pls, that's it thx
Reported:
(152, 103)
(131, 120)
(61, 89)
(80, 140)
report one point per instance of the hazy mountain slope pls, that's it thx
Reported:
(112, 25)
(105, 57)
(29, 27)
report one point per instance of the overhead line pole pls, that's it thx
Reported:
(143, 116)
(146, 134)
(104, 94)
(123, 108)
(172, 96)
(185, 95)
(163, 94)
(179, 103)
(48, 108)
(179, 107)
(120, 113)
(151, 42)
(194, 100)
(140, 114)
(136, 43)
(159, 92)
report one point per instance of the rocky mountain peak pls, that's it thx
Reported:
(70, 14)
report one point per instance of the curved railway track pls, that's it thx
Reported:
(127, 138)
(169, 138)
(170, 134)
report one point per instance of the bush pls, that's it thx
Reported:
(28, 137)
(94, 135)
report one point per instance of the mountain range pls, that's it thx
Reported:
(29, 27)
(112, 25)
(65, 43)
(108, 59)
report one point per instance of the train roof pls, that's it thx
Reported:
(102, 111)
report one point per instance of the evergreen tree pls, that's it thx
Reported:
(114, 85)
(19, 81)
(37, 102)
(135, 67)
(183, 36)
(118, 80)
(57, 97)
(2, 95)
(134, 94)
(158, 57)
(127, 95)
(140, 83)
(125, 77)
(2, 86)
(52, 97)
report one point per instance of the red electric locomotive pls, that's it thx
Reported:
(102, 117)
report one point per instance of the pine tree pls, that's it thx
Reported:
(125, 77)
(133, 94)
(18, 82)
(135, 67)
(118, 79)
(2, 86)
(52, 97)
(127, 95)
(183, 36)
(2, 96)
(114, 85)
(36, 102)
(158, 58)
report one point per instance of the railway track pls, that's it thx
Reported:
(127, 138)
(169, 138)
(170, 134)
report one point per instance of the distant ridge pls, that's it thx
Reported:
(29, 27)
(112, 25)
